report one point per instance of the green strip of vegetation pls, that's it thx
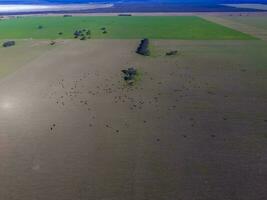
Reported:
(116, 27)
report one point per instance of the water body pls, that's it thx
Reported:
(44, 6)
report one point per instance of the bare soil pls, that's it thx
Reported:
(193, 127)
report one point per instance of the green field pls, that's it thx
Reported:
(160, 27)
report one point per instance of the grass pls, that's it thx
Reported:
(135, 27)
(138, 76)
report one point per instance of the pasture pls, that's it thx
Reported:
(134, 27)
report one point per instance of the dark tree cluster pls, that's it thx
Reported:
(129, 75)
(40, 27)
(67, 15)
(172, 53)
(143, 47)
(124, 15)
(52, 43)
(9, 43)
(82, 34)
(104, 30)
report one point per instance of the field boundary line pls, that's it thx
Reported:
(251, 30)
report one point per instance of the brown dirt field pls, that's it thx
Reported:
(14, 57)
(193, 127)
(230, 22)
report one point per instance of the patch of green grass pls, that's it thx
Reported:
(134, 27)
(153, 51)
(137, 79)
(138, 76)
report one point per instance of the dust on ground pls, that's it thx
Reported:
(193, 126)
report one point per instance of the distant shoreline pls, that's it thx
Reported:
(120, 7)
(257, 6)
(27, 8)
(147, 14)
